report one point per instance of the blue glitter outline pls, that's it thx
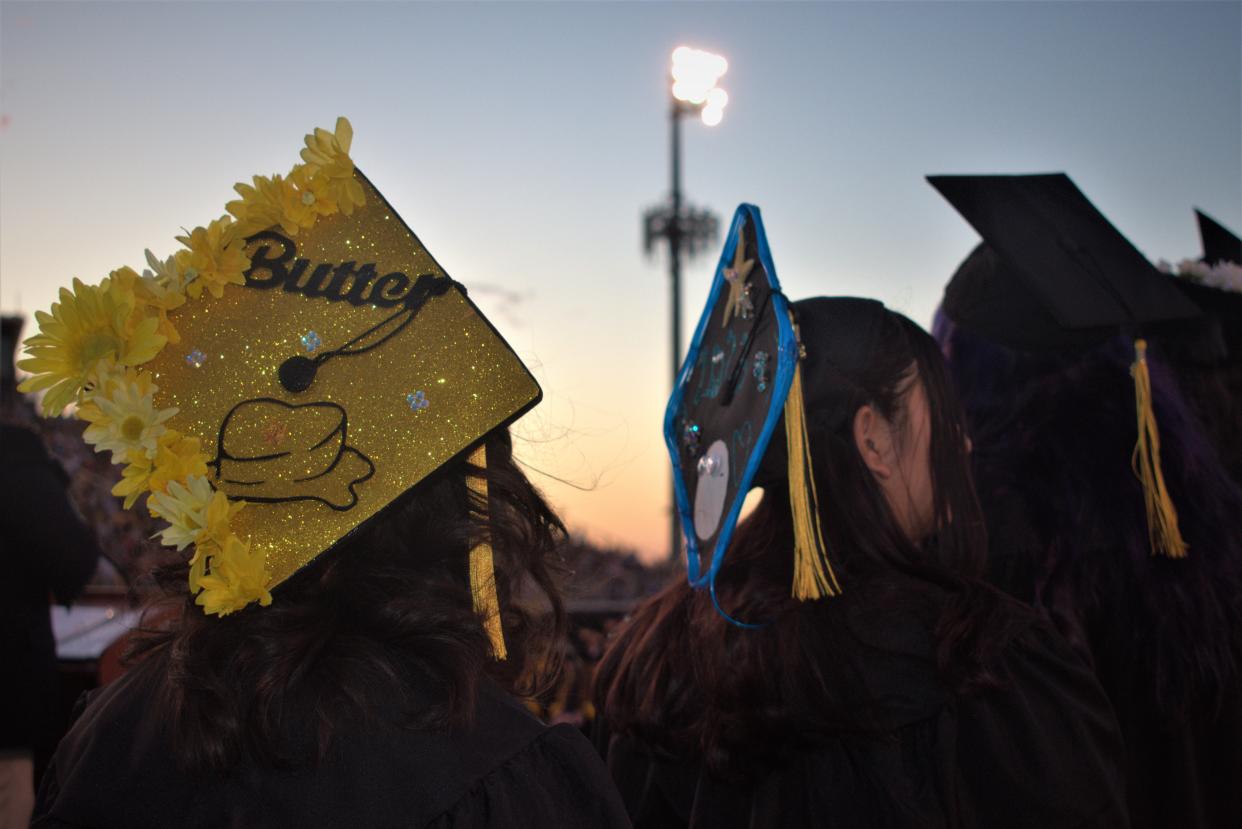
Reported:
(786, 360)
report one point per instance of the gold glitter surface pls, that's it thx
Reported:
(328, 458)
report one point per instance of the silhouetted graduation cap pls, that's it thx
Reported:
(1052, 272)
(1216, 339)
(1219, 243)
(740, 375)
(10, 336)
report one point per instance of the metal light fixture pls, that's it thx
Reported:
(687, 229)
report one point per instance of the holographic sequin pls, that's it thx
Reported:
(718, 356)
(710, 465)
(746, 303)
(417, 401)
(311, 342)
(690, 434)
(760, 370)
(196, 358)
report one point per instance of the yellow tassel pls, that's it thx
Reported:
(813, 575)
(482, 571)
(1162, 530)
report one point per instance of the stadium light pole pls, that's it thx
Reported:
(694, 75)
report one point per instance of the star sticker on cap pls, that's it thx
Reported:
(736, 276)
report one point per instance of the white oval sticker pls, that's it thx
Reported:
(709, 493)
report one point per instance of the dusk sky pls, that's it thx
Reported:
(523, 141)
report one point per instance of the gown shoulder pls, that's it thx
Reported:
(1041, 749)
(116, 768)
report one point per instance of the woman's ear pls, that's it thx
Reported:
(874, 441)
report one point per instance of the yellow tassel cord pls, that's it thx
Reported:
(813, 575)
(483, 573)
(1162, 530)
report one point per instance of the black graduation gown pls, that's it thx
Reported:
(114, 768)
(46, 551)
(1043, 752)
(1183, 771)
(1183, 768)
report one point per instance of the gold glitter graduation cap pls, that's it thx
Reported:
(304, 358)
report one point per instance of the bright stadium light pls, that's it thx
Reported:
(695, 75)
(713, 108)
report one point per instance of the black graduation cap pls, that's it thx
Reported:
(1216, 339)
(739, 375)
(1219, 243)
(1052, 272)
(10, 336)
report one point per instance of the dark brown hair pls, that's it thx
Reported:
(680, 677)
(1055, 435)
(385, 615)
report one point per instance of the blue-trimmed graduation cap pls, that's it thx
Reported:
(740, 375)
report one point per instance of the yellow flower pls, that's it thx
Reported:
(198, 566)
(102, 377)
(110, 375)
(272, 201)
(194, 512)
(216, 522)
(237, 577)
(135, 477)
(87, 326)
(315, 190)
(214, 258)
(123, 418)
(120, 283)
(255, 210)
(166, 273)
(176, 459)
(327, 154)
(150, 297)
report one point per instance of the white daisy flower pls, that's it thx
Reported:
(123, 418)
(184, 507)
